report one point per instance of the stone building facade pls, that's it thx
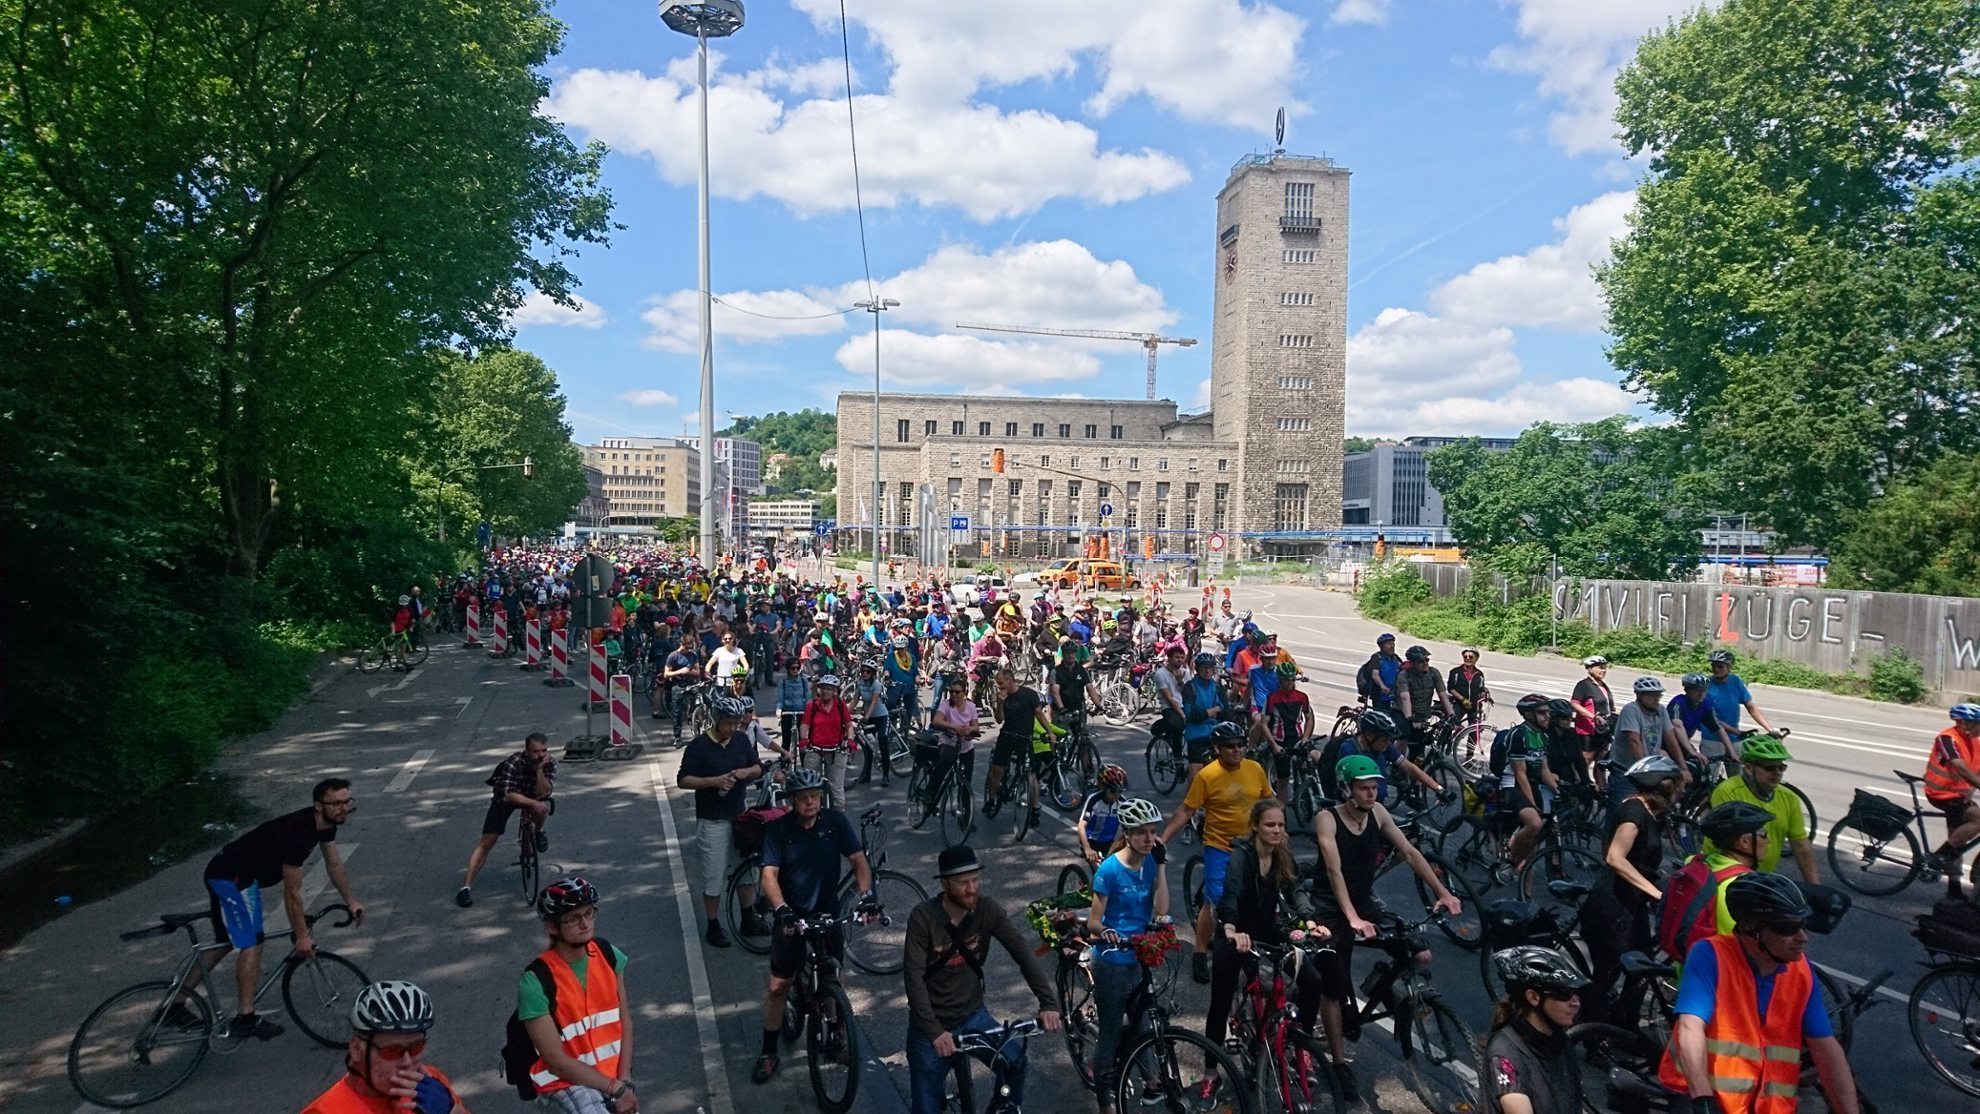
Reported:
(1265, 461)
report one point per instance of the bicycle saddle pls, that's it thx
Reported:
(1639, 965)
(1565, 889)
(168, 923)
(1630, 1083)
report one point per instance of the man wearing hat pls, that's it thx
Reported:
(948, 943)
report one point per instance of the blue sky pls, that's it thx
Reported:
(1038, 163)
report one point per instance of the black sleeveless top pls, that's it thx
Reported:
(1359, 853)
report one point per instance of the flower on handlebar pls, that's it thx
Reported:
(1152, 946)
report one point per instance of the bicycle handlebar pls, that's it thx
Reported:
(1004, 1034)
(311, 918)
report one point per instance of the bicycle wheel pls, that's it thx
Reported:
(970, 1085)
(958, 812)
(898, 750)
(1084, 761)
(1078, 1018)
(1945, 1022)
(1472, 745)
(125, 1055)
(1193, 884)
(1062, 783)
(370, 659)
(918, 811)
(1177, 1070)
(530, 867)
(829, 1045)
(1117, 703)
(1835, 996)
(744, 877)
(318, 993)
(1870, 865)
(1164, 766)
(1562, 862)
(1074, 878)
(877, 948)
(1682, 839)
(1018, 800)
(417, 653)
(1467, 929)
(1302, 1082)
(1450, 784)
(1442, 1056)
(1807, 811)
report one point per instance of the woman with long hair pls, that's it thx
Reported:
(1130, 890)
(1527, 1067)
(1257, 894)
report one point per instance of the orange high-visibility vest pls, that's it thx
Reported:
(587, 1016)
(342, 1098)
(1755, 1065)
(1941, 781)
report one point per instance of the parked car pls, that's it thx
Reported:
(967, 590)
(1108, 576)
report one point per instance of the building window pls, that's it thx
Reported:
(1161, 518)
(1299, 255)
(907, 505)
(1190, 491)
(1133, 516)
(1010, 429)
(1092, 431)
(1017, 488)
(1162, 492)
(1072, 491)
(1296, 298)
(1106, 490)
(1115, 432)
(1134, 464)
(1189, 465)
(1295, 340)
(1298, 215)
(956, 428)
(1104, 462)
(1295, 425)
(1065, 430)
(983, 429)
(955, 460)
(1162, 465)
(1189, 517)
(1038, 429)
(1044, 460)
(1295, 382)
(1220, 499)
(1072, 462)
(901, 430)
(983, 461)
(1297, 467)
(1223, 465)
(1289, 507)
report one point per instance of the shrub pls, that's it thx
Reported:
(1521, 627)
(1390, 588)
(1896, 678)
(1441, 622)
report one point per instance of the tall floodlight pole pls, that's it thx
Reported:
(705, 19)
(876, 307)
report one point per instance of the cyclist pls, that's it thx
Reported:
(1258, 892)
(1169, 678)
(1692, 715)
(1729, 695)
(383, 1069)
(1694, 904)
(1099, 814)
(1019, 708)
(1420, 694)
(1224, 790)
(903, 663)
(1376, 679)
(1072, 686)
(956, 723)
(524, 780)
(1748, 1005)
(948, 943)
(802, 853)
(677, 676)
(1642, 727)
(272, 852)
(1527, 1067)
(1527, 785)
(869, 699)
(825, 736)
(1594, 713)
(1952, 773)
(1466, 685)
(1202, 712)
(1380, 738)
(1763, 762)
(793, 693)
(1130, 892)
(403, 619)
(1615, 917)
(1352, 836)
(1286, 722)
(724, 659)
(572, 1002)
(718, 766)
(1564, 754)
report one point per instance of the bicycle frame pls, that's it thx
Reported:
(182, 973)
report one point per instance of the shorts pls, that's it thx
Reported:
(1010, 752)
(236, 912)
(1282, 764)
(1216, 864)
(712, 842)
(1954, 808)
(496, 820)
(787, 952)
(573, 1100)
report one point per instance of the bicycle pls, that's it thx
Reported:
(1878, 867)
(966, 1094)
(1436, 1044)
(1074, 767)
(820, 1009)
(948, 798)
(1165, 762)
(890, 741)
(876, 947)
(372, 658)
(1944, 1011)
(131, 1050)
(1287, 1068)
(527, 862)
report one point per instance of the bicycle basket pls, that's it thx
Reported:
(1878, 817)
(1057, 919)
(747, 829)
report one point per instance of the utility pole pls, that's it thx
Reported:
(876, 307)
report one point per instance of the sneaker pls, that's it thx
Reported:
(464, 897)
(250, 1025)
(542, 843)
(1199, 967)
(766, 1067)
(717, 938)
(657, 715)
(1033, 821)
(1344, 1076)
(992, 807)
(753, 924)
(180, 1018)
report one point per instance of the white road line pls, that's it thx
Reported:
(411, 771)
(317, 877)
(463, 701)
(687, 903)
(1858, 980)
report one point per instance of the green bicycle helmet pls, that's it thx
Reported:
(1288, 670)
(1763, 748)
(1358, 767)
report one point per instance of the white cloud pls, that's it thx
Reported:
(1575, 48)
(1551, 285)
(1579, 399)
(674, 320)
(650, 397)
(1199, 401)
(955, 362)
(1360, 11)
(538, 309)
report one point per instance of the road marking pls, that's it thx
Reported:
(374, 690)
(687, 904)
(1856, 980)
(317, 877)
(411, 771)
(463, 701)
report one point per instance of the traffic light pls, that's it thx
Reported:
(997, 461)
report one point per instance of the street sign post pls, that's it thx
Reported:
(1106, 510)
(1216, 562)
(959, 522)
(1217, 543)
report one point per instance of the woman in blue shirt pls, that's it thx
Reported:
(1130, 891)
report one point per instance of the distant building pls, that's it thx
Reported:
(738, 475)
(595, 509)
(646, 479)
(1388, 488)
(782, 518)
(773, 467)
(829, 460)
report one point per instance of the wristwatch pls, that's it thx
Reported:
(624, 1086)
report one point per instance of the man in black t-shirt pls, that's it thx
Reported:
(273, 852)
(718, 765)
(1021, 706)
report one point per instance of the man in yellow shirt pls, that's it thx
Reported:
(1225, 790)
(1764, 761)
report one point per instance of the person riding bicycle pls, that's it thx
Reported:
(1352, 836)
(403, 619)
(1615, 916)
(1642, 727)
(1224, 790)
(524, 780)
(903, 666)
(1527, 1066)
(1694, 904)
(1694, 718)
(1072, 686)
(1376, 678)
(1763, 762)
(718, 766)
(273, 851)
(1130, 892)
(572, 1002)
(1379, 737)
(1564, 753)
(1099, 814)
(384, 1069)
(1285, 721)
(1203, 711)
(1170, 676)
(1729, 695)
(1952, 774)
(677, 676)
(1258, 902)
(955, 723)
(1466, 685)
(1748, 1005)
(1527, 784)
(1019, 709)
(826, 738)
(869, 701)
(948, 944)
(802, 855)
(1420, 694)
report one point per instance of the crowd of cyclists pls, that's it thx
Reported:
(854, 667)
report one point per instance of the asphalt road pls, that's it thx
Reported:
(418, 747)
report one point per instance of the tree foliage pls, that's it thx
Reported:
(803, 435)
(1595, 497)
(488, 413)
(1798, 284)
(1920, 537)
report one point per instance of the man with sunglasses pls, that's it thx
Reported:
(384, 1072)
(1747, 1006)
(1763, 762)
(273, 852)
(572, 1002)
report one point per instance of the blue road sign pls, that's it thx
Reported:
(958, 522)
(823, 529)
(1106, 510)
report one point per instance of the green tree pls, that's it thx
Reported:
(489, 411)
(1593, 496)
(1919, 537)
(1357, 445)
(1798, 281)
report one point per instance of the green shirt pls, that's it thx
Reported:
(533, 1001)
(1788, 823)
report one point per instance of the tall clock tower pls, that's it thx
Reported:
(1278, 351)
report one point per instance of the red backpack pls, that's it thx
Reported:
(1688, 912)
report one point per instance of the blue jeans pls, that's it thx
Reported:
(926, 1070)
(1113, 984)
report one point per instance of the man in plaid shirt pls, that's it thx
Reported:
(523, 780)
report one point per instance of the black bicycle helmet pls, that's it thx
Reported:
(1561, 708)
(1759, 897)
(564, 895)
(1729, 821)
(1530, 965)
(1417, 654)
(1650, 770)
(1382, 723)
(1201, 660)
(1531, 702)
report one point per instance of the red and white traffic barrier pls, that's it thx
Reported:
(621, 709)
(473, 627)
(533, 645)
(500, 647)
(560, 658)
(595, 693)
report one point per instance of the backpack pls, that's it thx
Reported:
(1330, 756)
(1364, 680)
(1501, 749)
(1688, 912)
(518, 1051)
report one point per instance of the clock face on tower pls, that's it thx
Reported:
(1230, 266)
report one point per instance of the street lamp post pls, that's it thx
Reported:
(705, 19)
(876, 307)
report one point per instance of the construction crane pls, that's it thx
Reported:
(1146, 340)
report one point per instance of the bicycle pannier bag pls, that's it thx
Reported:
(748, 828)
(1878, 817)
(1951, 928)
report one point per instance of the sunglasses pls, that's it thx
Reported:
(1785, 928)
(400, 1051)
(1770, 767)
(1562, 995)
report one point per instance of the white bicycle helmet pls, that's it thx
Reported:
(391, 1006)
(1136, 813)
